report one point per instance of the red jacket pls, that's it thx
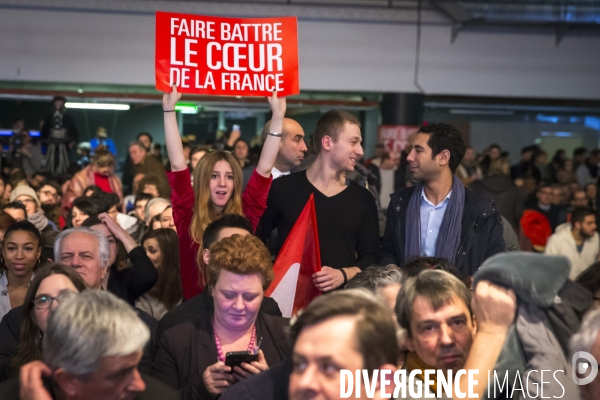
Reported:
(254, 204)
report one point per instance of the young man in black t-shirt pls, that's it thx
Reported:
(347, 219)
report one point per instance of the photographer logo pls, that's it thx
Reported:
(581, 367)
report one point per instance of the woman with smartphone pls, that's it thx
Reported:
(209, 354)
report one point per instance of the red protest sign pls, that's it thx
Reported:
(226, 56)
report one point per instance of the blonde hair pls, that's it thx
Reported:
(204, 212)
(103, 158)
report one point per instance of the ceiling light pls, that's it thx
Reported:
(98, 106)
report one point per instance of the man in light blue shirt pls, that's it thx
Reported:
(431, 220)
(439, 217)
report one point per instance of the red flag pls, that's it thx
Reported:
(297, 261)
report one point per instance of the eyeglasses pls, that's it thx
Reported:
(45, 301)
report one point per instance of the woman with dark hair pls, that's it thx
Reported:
(91, 190)
(21, 252)
(241, 150)
(162, 247)
(5, 222)
(82, 208)
(107, 203)
(155, 223)
(51, 284)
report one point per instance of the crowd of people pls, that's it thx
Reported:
(152, 283)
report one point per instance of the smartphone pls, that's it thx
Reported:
(236, 358)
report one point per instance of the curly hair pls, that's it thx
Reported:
(162, 187)
(242, 255)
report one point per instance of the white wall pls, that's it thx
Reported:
(96, 46)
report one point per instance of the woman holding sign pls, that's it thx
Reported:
(217, 188)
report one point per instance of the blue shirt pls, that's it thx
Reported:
(431, 220)
(109, 143)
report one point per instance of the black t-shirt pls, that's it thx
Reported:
(347, 222)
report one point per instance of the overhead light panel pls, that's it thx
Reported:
(98, 106)
(186, 108)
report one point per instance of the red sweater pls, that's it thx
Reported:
(254, 203)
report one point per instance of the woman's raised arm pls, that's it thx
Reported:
(172, 136)
(271, 145)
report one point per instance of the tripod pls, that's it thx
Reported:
(57, 147)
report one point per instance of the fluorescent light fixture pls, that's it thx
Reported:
(187, 108)
(98, 106)
(8, 132)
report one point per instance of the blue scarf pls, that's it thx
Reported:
(448, 238)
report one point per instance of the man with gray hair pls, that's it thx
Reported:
(91, 350)
(144, 163)
(587, 341)
(385, 282)
(87, 251)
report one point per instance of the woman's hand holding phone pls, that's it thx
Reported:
(246, 370)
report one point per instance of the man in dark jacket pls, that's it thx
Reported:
(544, 205)
(439, 217)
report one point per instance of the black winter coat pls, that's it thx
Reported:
(481, 231)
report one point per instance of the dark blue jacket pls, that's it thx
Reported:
(481, 232)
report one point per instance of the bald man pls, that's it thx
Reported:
(291, 149)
